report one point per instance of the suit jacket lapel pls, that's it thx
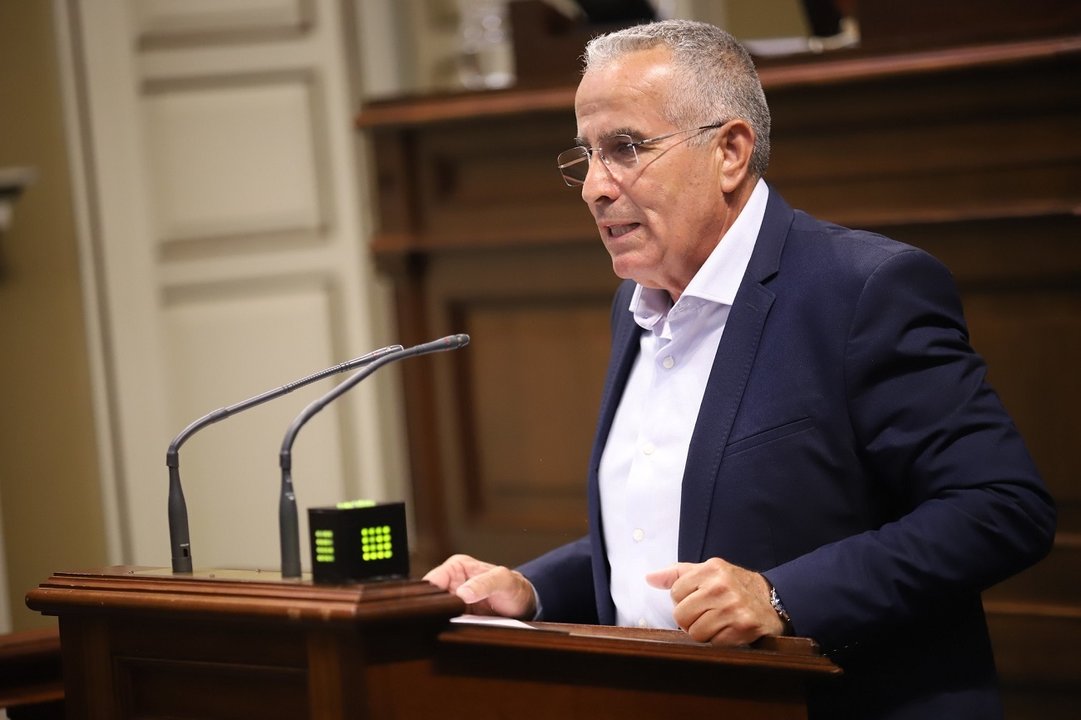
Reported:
(727, 380)
(625, 334)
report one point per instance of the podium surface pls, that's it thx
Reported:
(141, 643)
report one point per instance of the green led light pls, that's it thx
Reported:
(376, 543)
(352, 504)
(324, 545)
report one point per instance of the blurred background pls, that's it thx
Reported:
(204, 199)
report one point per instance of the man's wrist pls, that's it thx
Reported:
(537, 609)
(778, 607)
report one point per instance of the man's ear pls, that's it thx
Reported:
(735, 143)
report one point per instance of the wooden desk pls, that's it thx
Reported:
(140, 642)
(30, 682)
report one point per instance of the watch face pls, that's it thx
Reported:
(778, 607)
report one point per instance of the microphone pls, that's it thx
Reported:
(287, 505)
(178, 509)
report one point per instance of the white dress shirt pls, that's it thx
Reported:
(641, 471)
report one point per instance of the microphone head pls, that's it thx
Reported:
(458, 341)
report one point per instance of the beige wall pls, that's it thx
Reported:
(49, 497)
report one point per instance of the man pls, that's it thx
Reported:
(795, 436)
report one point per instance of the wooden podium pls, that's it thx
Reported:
(141, 643)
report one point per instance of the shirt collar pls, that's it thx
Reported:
(717, 281)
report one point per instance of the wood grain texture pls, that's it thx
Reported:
(970, 151)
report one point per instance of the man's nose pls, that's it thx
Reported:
(599, 182)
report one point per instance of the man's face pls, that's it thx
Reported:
(660, 219)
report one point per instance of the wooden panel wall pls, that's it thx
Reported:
(972, 153)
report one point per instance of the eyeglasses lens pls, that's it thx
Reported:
(617, 150)
(574, 165)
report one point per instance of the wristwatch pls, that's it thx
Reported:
(778, 607)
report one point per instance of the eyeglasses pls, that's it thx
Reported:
(620, 151)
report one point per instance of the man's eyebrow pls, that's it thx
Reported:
(631, 132)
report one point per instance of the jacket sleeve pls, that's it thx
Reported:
(563, 579)
(972, 507)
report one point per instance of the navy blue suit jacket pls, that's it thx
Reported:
(849, 448)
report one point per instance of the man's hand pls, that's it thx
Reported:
(718, 602)
(486, 588)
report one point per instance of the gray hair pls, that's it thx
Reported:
(718, 79)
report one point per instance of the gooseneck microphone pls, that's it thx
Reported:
(287, 505)
(178, 509)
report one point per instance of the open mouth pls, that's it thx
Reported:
(615, 231)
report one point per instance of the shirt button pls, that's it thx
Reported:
(669, 362)
(639, 534)
(642, 622)
(648, 448)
